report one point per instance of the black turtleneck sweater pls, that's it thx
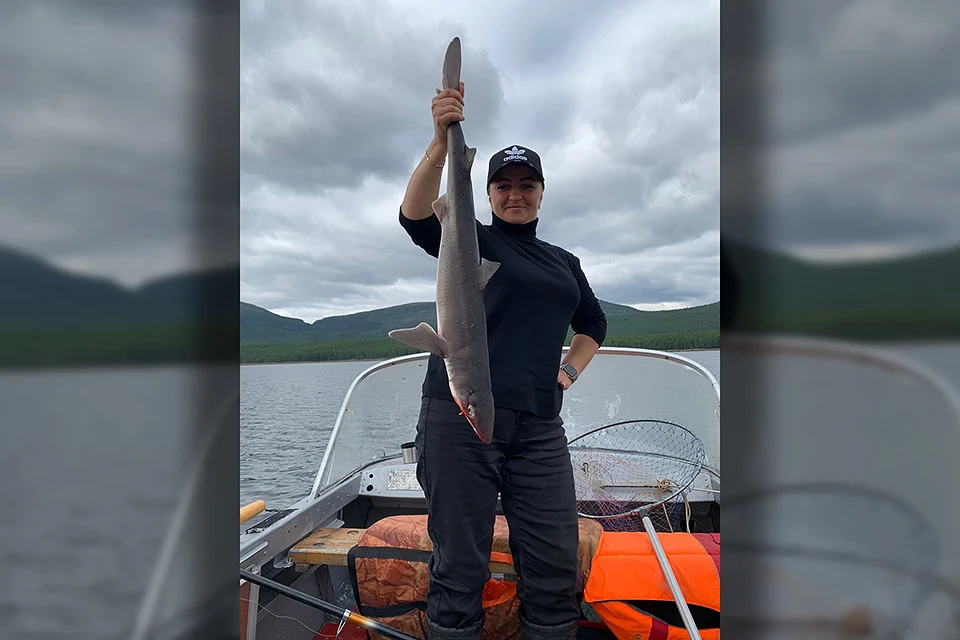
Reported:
(538, 292)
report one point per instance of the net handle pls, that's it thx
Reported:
(631, 421)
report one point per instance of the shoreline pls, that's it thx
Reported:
(247, 364)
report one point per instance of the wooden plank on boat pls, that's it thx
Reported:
(325, 546)
(331, 546)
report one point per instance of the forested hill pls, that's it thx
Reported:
(268, 337)
(906, 298)
(53, 317)
(259, 326)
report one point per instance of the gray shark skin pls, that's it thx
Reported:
(461, 336)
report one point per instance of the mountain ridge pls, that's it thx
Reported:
(906, 297)
(261, 326)
(35, 294)
(53, 317)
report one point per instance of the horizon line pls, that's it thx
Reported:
(433, 302)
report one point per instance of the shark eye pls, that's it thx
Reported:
(470, 411)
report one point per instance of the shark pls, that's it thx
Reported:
(462, 276)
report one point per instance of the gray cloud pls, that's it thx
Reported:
(863, 111)
(648, 103)
(621, 103)
(334, 95)
(842, 65)
(96, 171)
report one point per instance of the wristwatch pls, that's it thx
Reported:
(570, 370)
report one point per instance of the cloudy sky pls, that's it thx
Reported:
(863, 105)
(621, 102)
(94, 167)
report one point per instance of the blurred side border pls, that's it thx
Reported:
(778, 313)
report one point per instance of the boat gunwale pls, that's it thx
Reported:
(386, 364)
(880, 357)
(306, 515)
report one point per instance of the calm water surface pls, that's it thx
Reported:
(92, 463)
(286, 414)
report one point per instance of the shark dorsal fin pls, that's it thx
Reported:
(487, 269)
(440, 206)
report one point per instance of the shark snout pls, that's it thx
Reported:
(480, 415)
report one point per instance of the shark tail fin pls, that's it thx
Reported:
(451, 65)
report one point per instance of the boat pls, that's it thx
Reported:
(844, 527)
(365, 489)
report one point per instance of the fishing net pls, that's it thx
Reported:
(833, 561)
(627, 470)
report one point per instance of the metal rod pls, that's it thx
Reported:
(316, 603)
(671, 580)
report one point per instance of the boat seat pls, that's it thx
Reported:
(332, 546)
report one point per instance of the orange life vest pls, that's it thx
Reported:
(629, 592)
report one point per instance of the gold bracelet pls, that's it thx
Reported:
(438, 166)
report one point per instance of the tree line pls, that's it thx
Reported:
(384, 348)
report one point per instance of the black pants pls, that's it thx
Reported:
(529, 465)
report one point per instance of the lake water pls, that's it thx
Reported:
(288, 410)
(93, 464)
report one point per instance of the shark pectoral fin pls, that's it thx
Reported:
(470, 154)
(487, 269)
(421, 337)
(440, 206)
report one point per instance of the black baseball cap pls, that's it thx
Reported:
(514, 155)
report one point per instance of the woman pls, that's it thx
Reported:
(538, 292)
